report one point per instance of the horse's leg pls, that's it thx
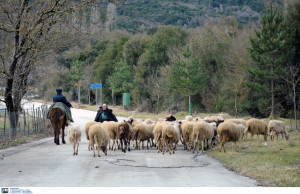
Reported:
(63, 132)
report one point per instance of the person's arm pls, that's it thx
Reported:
(97, 116)
(114, 117)
(64, 100)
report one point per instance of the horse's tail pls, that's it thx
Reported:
(56, 120)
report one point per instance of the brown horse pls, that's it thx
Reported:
(58, 122)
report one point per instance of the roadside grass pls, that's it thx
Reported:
(25, 139)
(274, 163)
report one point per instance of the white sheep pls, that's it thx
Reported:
(275, 127)
(189, 118)
(258, 127)
(157, 133)
(99, 136)
(74, 137)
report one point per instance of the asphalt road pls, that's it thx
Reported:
(43, 163)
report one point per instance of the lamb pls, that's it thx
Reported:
(124, 133)
(171, 135)
(143, 132)
(275, 127)
(256, 126)
(187, 133)
(229, 131)
(87, 127)
(203, 131)
(99, 136)
(111, 128)
(74, 137)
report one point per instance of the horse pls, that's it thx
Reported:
(58, 122)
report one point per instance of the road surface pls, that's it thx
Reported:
(45, 164)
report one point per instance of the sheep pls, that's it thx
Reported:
(148, 121)
(171, 135)
(229, 131)
(275, 127)
(143, 132)
(111, 128)
(238, 121)
(187, 133)
(189, 118)
(157, 133)
(170, 118)
(124, 133)
(216, 119)
(87, 127)
(203, 131)
(256, 126)
(99, 136)
(197, 119)
(74, 137)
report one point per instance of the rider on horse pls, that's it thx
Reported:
(61, 98)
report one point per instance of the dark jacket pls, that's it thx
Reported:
(61, 98)
(108, 113)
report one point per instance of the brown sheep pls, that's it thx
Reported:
(87, 127)
(203, 131)
(228, 131)
(258, 127)
(99, 136)
(124, 133)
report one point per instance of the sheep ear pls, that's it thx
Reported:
(124, 121)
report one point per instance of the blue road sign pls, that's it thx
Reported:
(96, 86)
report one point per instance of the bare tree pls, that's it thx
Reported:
(292, 77)
(29, 30)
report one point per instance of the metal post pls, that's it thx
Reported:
(4, 124)
(96, 98)
(78, 94)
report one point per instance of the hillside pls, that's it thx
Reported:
(138, 15)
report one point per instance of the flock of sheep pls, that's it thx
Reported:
(168, 132)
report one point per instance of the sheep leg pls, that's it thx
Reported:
(148, 141)
(98, 148)
(63, 135)
(194, 147)
(74, 144)
(94, 152)
(202, 144)
(114, 145)
(163, 147)
(77, 148)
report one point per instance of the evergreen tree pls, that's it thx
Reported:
(270, 49)
(188, 76)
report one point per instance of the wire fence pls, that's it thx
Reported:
(30, 121)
